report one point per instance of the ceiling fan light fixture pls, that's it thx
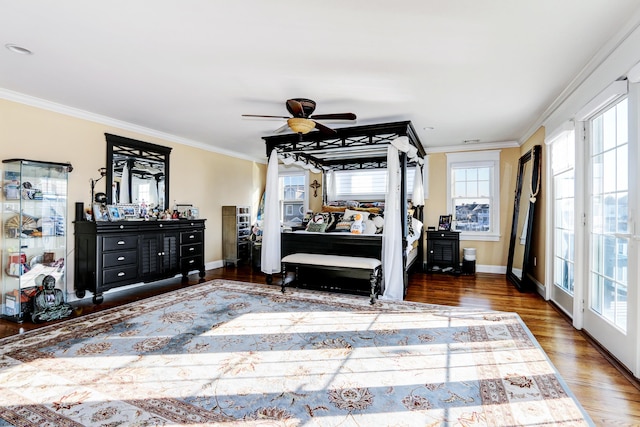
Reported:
(301, 125)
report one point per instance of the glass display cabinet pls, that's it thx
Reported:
(34, 235)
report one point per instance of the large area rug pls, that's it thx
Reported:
(229, 353)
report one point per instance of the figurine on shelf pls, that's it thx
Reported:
(48, 304)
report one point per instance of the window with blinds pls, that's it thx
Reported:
(370, 184)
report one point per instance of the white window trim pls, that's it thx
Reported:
(284, 170)
(473, 159)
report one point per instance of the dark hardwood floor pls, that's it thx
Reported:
(609, 394)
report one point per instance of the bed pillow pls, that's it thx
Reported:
(369, 227)
(349, 213)
(316, 219)
(343, 226)
(378, 221)
(316, 227)
(415, 230)
(327, 208)
(331, 219)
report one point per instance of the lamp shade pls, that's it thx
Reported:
(301, 125)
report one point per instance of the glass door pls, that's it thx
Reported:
(608, 304)
(564, 200)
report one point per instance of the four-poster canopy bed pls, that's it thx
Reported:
(356, 148)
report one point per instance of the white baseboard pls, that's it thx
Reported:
(495, 269)
(214, 264)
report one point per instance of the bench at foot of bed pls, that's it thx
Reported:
(347, 266)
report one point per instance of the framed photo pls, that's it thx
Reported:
(100, 212)
(129, 210)
(445, 223)
(183, 210)
(114, 213)
(194, 213)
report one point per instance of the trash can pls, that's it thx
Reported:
(469, 261)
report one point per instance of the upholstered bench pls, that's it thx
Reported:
(347, 266)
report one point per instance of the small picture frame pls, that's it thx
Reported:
(100, 213)
(183, 210)
(444, 224)
(129, 211)
(114, 213)
(194, 213)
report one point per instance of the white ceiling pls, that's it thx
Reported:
(187, 70)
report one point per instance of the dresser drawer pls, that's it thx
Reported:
(193, 236)
(112, 275)
(190, 263)
(443, 235)
(113, 243)
(191, 250)
(114, 259)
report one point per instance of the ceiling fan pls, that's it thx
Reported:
(303, 120)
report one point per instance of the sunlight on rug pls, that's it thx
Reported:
(230, 353)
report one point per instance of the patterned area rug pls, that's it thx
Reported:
(230, 353)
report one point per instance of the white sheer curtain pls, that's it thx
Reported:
(270, 257)
(124, 185)
(418, 190)
(331, 186)
(392, 267)
(153, 193)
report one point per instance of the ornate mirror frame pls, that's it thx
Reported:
(528, 183)
(121, 149)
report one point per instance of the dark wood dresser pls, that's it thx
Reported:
(113, 254)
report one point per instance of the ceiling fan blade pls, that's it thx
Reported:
(336, 116)
(325, 129)
(295, 108)
(282, 128)
(269, 117)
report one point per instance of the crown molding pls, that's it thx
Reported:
(108, 121)
(472, 147)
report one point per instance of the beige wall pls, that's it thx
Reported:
(203, 178)
(490, 254)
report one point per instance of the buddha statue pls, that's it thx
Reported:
(48, 303)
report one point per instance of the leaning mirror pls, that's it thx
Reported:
(527, 189)
(137, 172)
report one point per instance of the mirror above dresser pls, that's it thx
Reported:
(137, 172)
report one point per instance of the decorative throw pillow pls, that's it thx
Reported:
(410, 224)
(344, 226)
(349, 213)
(316, 227)
(378, 221)
(315, 219)
(332, 219)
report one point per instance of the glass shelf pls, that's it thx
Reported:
(34, 235)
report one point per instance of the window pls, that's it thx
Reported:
(370, 184)
(473, 194)
(292, 187)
